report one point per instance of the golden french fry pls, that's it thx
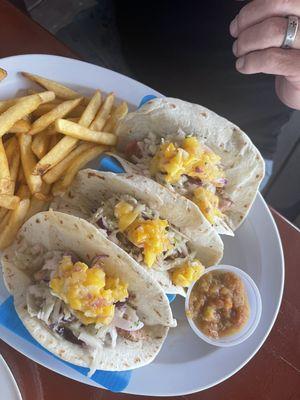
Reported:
(60, 111)
(5, 181)
(44, 96)
(23, 192)
(80, 132)
(55, 155)
(21, 126)
(45, 108)
(14, 163)
(58, 170)
(3, 74)
(80, 161)
(91, 110)
(103, 113)
(60, 90)
(14, 222)
(9, 201)
(68, 143)
(50, 131)
(40, 144)
(28, 160)
(19, 110)
(120, 112)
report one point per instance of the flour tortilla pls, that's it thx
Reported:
(90, 187)
(58, 231)
(242, 162)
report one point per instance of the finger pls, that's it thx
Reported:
(266, 34)
(270, 61)
(288, 92)
(259, 10)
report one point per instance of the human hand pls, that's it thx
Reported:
(260, 29)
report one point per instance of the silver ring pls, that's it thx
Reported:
(291, 32)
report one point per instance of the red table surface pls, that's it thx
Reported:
(274, 373)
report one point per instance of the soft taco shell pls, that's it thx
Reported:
(243, 164)
(58, 231)
(90, 187)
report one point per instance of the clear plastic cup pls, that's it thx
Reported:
(255, 309)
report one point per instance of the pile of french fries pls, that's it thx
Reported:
(45, 139)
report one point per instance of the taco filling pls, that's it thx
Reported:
(183, 164)
(81, 303)
(150, 240)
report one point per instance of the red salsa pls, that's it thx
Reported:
(219, 304)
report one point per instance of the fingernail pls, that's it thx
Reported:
(234, 27)
(240, 63)
(234, 48)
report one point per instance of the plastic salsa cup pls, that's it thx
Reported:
(255, 309)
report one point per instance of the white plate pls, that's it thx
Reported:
(8, 385)
(185, 364)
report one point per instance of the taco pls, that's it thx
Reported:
(196, 153)
(83, 298)
(162, 231)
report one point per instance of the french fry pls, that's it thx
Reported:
(60, 111)
(43, 109)
(23, 192)
(14, 222)
(68, 143)
(90, 112)
(103, 113)
(60, 90)
(80, 132)
(55, 155)
(58, 170)
(5, 181)
(51, 129)
(80, 161)
(120, 112)
(9, 201)
(14, 163)
(28, 160)
(40, 144)
(19, 110)
(21, 126)
(46, 107)
(3, 74)
(44, 96)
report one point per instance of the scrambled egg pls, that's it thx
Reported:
(195, 161)
(187, 273)
(88, 291)
(208, 203)
(150, 235)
